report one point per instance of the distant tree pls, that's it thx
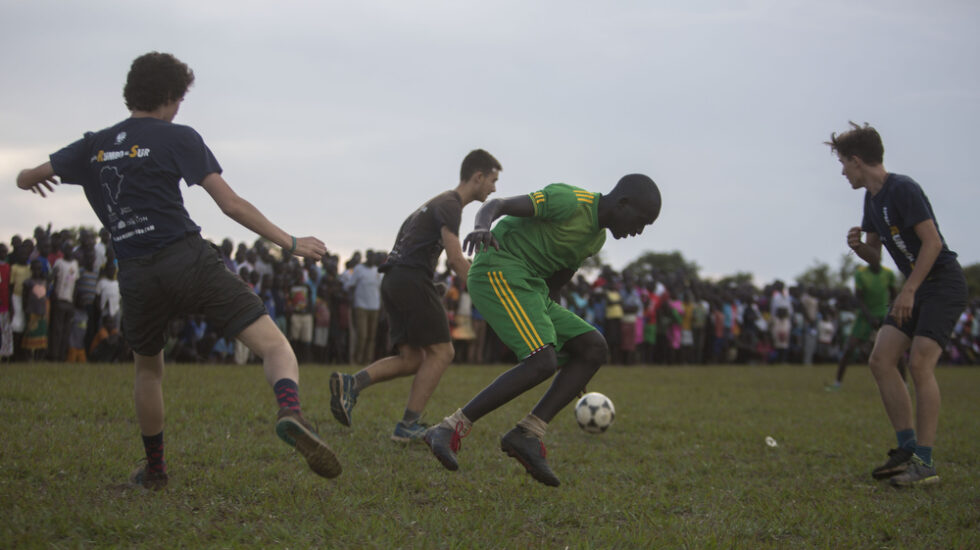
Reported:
(972, 272)
(591, 267)
(848, 265)
(819, 275)
(663, 262)
(738, 280)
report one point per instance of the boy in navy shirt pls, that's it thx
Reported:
(898, 215)
(130, 173)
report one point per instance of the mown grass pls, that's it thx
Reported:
(684, 466)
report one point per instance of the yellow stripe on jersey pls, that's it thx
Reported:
(536, 198)
(520, 320)
(536, 338)
(584, 196)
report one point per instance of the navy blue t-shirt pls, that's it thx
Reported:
(893, 213)
(131, 175)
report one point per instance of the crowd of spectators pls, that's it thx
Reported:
(59, 301)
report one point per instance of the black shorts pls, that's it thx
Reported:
(939, 302)
(416, 315)
(187, 277)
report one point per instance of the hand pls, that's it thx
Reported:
(480, 239)
(854, 238)
(37, 186)
(902, 308)
(310, 247)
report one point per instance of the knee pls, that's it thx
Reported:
(880, 364)
(444, 352)
(276, 349)
(544, 363)
(590, 348)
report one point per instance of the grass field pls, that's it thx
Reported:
(684, 466)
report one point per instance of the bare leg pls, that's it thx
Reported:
(406, 363)
(429, 372)
(890, 344)
(148, 393)
(922, 364)
(265, 339)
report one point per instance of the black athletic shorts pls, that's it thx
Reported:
(416, 315)
(939, 302)
(187, 277)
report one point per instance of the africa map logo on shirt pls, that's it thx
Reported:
(111, 183)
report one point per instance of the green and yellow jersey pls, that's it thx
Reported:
(561, 234)
(508, 285)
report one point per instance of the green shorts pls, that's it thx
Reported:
(862, 330)
(517, 306)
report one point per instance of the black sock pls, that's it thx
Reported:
(153, 444)
(287, 394)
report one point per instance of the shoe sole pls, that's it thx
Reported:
(448, 462)
(886, 474)
(538, 475)
(318, 455)
(401, 439)
(336, 400)
(931, 480)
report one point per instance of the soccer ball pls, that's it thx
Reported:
(594, 413)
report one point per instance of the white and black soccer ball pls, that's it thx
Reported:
(594, 413)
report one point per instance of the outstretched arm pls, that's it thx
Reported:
(38, 179)
(243, 212)
(481, 237)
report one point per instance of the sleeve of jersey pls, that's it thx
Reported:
(70, 163)
(554, 202)
(192, 156)
(447, 214)
(912, 205)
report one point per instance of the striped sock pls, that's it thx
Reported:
(287, 394)
(153, 444)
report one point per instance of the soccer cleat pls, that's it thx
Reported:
(898, 462)
(917, 473)
(406, 433)
(151, 481)
(292, 428)
(832, 387)
(530, 452)
(342, 397)
(444, 443)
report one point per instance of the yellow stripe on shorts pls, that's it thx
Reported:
(535, 338)
(516, 314)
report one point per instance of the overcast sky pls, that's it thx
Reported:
(338, 119)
